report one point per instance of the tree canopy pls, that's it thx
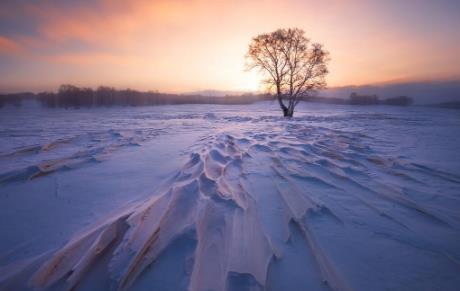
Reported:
(293, 66)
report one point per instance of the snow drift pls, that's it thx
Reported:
(268, 204)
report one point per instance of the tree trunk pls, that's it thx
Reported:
(285, 111)
(288, 112)
(282, 106)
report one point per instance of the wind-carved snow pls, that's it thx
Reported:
(65, 154)
(279, 206)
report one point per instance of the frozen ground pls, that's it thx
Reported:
(230, 198)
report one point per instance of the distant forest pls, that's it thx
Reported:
(69, 96)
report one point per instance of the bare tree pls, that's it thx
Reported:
(293, 66)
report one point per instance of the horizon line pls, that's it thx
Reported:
(236, 91)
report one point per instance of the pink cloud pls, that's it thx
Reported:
(202, 43)
(85, 59)
(10, 47)
(109, 22)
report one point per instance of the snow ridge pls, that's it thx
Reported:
(222, 201)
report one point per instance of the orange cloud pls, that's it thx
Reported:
(85, 59)
(10, 47)
(200, 44)
(110, 22)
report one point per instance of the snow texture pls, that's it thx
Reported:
(230, 198)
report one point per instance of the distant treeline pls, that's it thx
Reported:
(72, 96)
(356, 99)
(14, 99)
(69, 96)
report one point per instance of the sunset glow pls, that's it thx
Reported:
(182, 46)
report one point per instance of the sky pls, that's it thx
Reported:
(189, 45)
